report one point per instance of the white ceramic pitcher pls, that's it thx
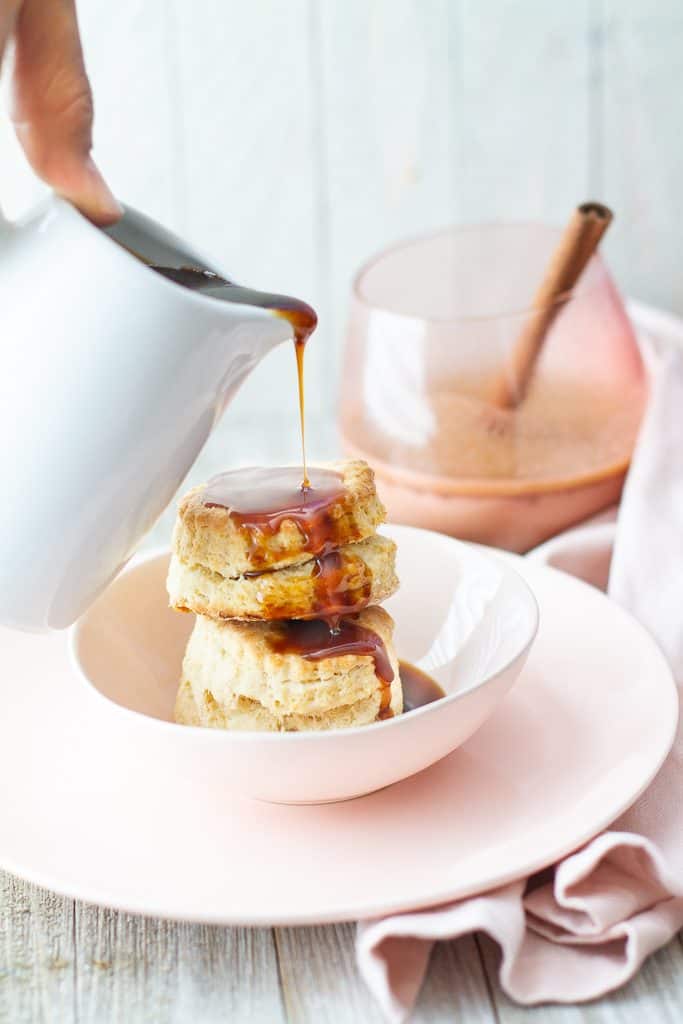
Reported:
(111, 378)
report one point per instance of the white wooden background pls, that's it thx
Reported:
(291, 140)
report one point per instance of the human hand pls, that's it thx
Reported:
(52, 107)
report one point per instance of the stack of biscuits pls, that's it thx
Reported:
(236, 674)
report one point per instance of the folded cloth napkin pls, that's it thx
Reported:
(620, 897)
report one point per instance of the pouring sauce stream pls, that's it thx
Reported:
(302, 318)
(260, 500)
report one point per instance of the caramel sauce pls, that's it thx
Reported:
(418, 688)
(260, 499)
(313, 640)
(300, 315)
(300, 351)
(343, 585)
(304, 320)
(196, 280)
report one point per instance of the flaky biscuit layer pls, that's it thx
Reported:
(249, 715)
(294, 592)
(211, 538)
(231, 666)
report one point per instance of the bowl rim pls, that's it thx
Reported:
(584, 287)
(322, 735)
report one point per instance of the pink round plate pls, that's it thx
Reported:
(88, 811)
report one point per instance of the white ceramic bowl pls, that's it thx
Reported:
(464, 616)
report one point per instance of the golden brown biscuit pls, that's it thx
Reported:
(186, 711)
(249, 715)
(239, 679)
(210, 537)
(352, 578)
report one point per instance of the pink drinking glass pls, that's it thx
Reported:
(433, 323)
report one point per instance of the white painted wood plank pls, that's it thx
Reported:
(126, 49)
(455, 988)
(126, 52)
(654, 996)
(136, 970)
(320, 982)
(36, 954)
(643, 147)
(247, 108)
(524, 73)
(390, 114)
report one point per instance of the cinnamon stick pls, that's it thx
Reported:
(579, 241)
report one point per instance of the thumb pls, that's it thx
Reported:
(52, 106)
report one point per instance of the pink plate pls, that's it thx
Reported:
(88, 811)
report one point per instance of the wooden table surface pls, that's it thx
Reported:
(64, 961)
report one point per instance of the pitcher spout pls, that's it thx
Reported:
(279, 317)
(298, 318)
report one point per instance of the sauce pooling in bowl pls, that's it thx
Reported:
(418, 688)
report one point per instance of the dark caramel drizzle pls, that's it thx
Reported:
(260, 500)
(204, 281)
(343, 584)
(300, 315)
(304, 320)
(418, 688)
(313, 640)
(300, 352)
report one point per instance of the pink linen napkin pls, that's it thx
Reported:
(620, 897)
